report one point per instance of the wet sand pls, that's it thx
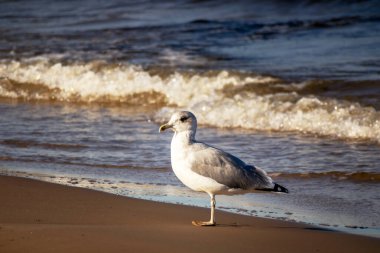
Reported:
(43, 217)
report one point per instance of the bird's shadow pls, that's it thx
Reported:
(236, 225)
(321, 229)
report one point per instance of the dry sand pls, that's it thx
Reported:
(43, 217)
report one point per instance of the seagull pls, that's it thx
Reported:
(204, 168)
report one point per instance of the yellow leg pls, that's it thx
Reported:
(212, 218)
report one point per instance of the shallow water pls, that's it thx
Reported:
(286, 86)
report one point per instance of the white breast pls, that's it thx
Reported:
(181, 164)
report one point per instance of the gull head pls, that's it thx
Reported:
(180, 122)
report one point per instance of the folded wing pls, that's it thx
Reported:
(227, 169)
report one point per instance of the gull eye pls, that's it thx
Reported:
(183, 118)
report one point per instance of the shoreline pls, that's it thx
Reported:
(194, 201)
(45, 217)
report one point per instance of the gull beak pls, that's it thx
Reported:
(164, 127)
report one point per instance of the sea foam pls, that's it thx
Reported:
(221, 99)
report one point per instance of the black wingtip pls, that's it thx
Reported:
(279, 188)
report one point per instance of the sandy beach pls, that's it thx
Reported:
(43, 217)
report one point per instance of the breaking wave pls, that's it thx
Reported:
(221, 99)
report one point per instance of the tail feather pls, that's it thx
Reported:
(279, 188)
(276, 188)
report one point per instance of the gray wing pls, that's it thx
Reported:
(227, 169)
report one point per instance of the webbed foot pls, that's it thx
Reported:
(203, 223)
